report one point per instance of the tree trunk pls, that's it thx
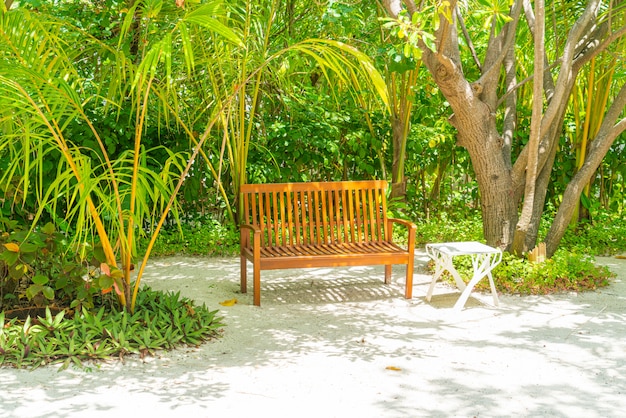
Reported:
(477, 132)
(528, 221)
(398, 181)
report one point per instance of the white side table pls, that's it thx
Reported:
(484, 260)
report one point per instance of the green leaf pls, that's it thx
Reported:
(48, 292)
(33, 290)
(203, 16)
(48, 229)
(10, 257)
(429, 40)
(40, 279)
(105, 282)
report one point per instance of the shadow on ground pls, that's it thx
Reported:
(339, 342)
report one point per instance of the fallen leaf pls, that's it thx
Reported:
(229, 302)
(394, 368)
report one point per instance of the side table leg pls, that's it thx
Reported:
(480, 264)
(494, 292)
(439, 269)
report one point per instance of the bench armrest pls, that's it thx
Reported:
(411, 231)
(245, 230)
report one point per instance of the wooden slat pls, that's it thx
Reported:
(325, 218)
(296, 215)
(317, 213)
(371, 234)
(351, 212)
(274, 221)
(290, 209)
(337, 217)
(315, 217)
(267, 220)
(261, 218)
(283, 234)
(310, 216)
(357, 222)
(384, 232)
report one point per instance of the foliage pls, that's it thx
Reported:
(605, 235)
(39, 268)
(462, 226)
(162, 321)
(565, 271)
(201, 236)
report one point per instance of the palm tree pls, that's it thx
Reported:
(47, 86)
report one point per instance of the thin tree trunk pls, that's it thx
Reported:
(532, 163)
(398, 181)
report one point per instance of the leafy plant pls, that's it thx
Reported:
(38, 268)
(572, 267)
(163, 321)
(565, 271)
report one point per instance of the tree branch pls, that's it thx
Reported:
(589, 53)
(468, 39)
(548, 82)
(509, 39)
(566, 76)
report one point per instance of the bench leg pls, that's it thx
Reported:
(257, 284)
(388, 274)
(243, 267)
(408, 290)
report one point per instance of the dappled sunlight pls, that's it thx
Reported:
(343, 336)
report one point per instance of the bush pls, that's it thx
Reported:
(565, 271)
(38, 268)
(572, 267)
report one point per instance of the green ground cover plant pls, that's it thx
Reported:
(164, 321)
(197, 236)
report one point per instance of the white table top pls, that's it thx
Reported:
(463, 248)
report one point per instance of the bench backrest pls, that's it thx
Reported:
(316, 212)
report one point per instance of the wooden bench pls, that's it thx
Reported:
(320, 224)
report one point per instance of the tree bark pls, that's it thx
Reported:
(525, 223)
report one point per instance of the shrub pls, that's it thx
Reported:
(565, 271)
(38, 268)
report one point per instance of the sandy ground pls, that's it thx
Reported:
(340, 343)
